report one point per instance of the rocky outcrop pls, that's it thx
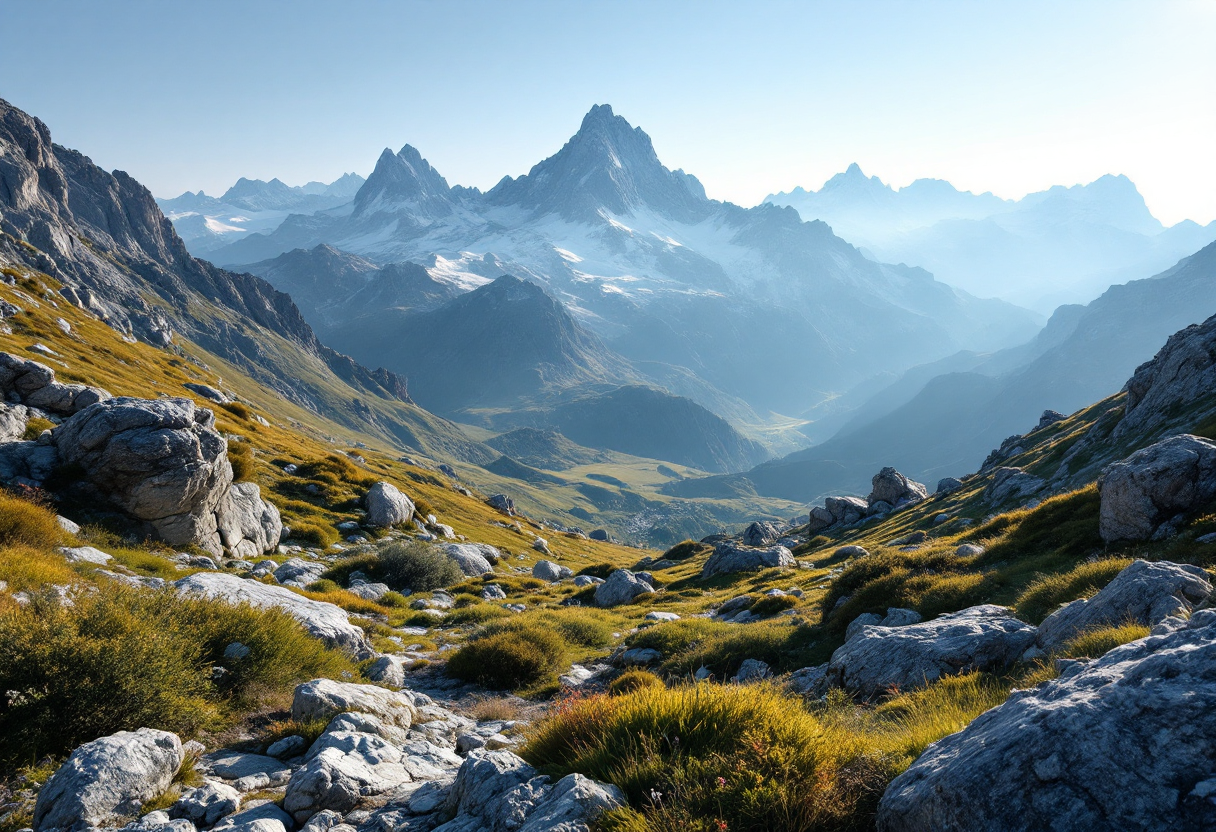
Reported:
(325, 621)
(29, 383)
(948, 485)
(895, 617)
(1143, 593)
(1012, 484)
(731, 557)
(325, 698)
(387, 506)
(108, 779)
(891, 487)
(472, 557)
(1146, 495)
(1181, 374)
(343, 767)
(163, 463)
(761, 533)
(621, 587)
(1123, 742)
(877, 659)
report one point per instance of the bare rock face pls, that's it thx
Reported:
(325, 621)
(1182, 372)
(890, 486)
(875, 659)
(761, 533)
(621, 587)
(730, 557)
(1127, 741)
(27, 382)
(1143, 494)
(108, 779)
(1143, 593)
(163, 463)
(387, 506)
(1012, 484)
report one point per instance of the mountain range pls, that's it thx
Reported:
(1061, 245)
(752, 313)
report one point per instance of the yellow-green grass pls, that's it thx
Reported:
(1098, 642)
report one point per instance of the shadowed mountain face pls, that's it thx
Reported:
(500, 345)
(947, 424)
(756, 304)
(1061, 245)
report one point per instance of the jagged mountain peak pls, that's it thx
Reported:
(404, 179)
(607, 166)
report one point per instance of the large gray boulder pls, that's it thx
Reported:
(846, 509)
(484, 777)
(325, 698)
(1012, 484)
(32, 384)
(108, 779)
(547, 570)
(387, 506)
(27, 463)
(323, 620)
(621, 587)
(876, 659)
(731, 557)
(248, 525)
(1141, 495)
(471, 557)
(761, 533)
(1124, 742)
(342, 768)
(1143, 593)
(890, 486)
(162, 462)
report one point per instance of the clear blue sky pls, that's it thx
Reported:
(751, 97)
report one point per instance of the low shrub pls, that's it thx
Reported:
(773, 604)
(136, 658)
(689, 644)
(238, 409)
(508, 660)
(724, 757)
(394, 600)
(25, 568)
(25, 523)
(476, 614)
(415, 565)
(575, 625)
(240, 456)
(686, 549)
(1048, 592)
(1098, 642)
(632, 680)
(324, 585)
(598, 570)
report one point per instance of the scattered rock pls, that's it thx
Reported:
(387, 506)
(948, 485)
(760, 533)
(1122, 742)
(1143, 593)
(850, 552)
(639, 656)
(969, 550)
(1141, 495)
(547, 570)
(85, 554)
(1012, 484)
(503, 503)
(388, 670)
(33, 385)
(208, 392)
(752, 670)
(730, 557)
(621, 587)
(207, 805)
(876, 659)
(890, 486)
(494, 592)
(325, 621)
(541, 545)
(469, 558)
(1049, 417)
(895, 617)
(323, 698)
(108, 779)
(601, 535)
(658, 615)
(287, 747)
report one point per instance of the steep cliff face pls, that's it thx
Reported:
(104, 237)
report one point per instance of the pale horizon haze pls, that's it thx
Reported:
(752, 99)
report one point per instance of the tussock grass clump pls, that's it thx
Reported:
(689, 644)
(1098, 642)
(687, 549)
(509, 659)
(632, 680)
(414, 565)
(773, 604)
(576, 626)
(748, 759)
(26, 523)
(137, 658)
(1048, 592)
(312, 534)
(35, 426)
(238, 409)
(240, 457)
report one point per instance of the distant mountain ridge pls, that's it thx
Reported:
(1061, 245)
(758, 306)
